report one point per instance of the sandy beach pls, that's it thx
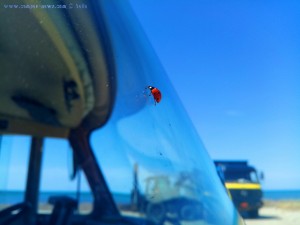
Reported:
(281, 212)
(278, 213)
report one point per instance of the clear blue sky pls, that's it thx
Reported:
(236, 67)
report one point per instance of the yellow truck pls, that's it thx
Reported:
(242, 182)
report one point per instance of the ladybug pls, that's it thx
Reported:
(155, 93)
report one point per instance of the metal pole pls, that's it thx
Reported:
(33, 178)
(78, 188)
(0, 145)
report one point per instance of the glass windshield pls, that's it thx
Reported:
(14, 161)
(241, 176)
(55, 174)
(56, 178)
(152, 157)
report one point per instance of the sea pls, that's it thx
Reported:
(11, 197)
(281, 194)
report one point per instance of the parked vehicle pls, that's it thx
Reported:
(242, 181)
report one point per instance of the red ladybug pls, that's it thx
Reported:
(155, 93)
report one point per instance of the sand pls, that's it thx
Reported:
(278, 213)
(273, 213)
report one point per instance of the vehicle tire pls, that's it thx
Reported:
(191, 211)
(156, 212)
(253, 213)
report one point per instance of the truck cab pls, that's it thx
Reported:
(242, 182)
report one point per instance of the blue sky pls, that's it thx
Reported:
(235, 66)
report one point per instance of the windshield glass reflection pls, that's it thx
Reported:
(152, 158)
(241, 176)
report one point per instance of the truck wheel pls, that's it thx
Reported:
(156, 212)
(253, 213)
(191, 211)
